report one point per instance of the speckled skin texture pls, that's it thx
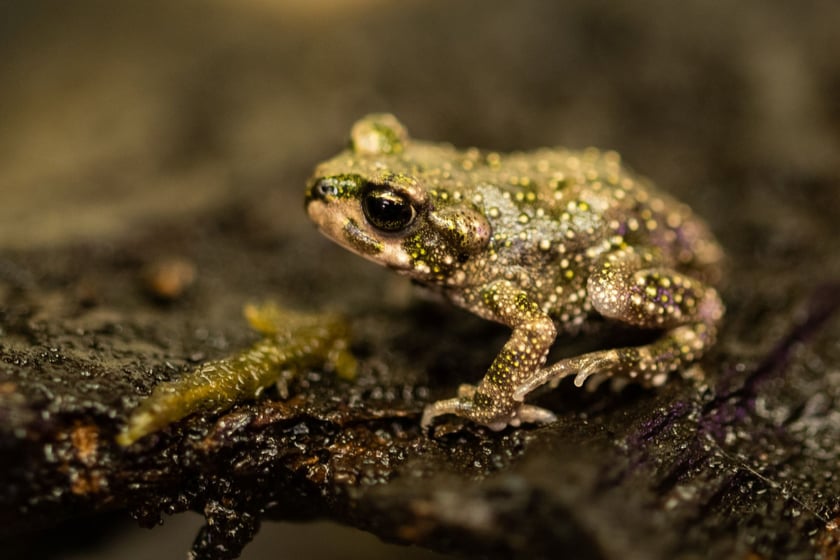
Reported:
(539, 241)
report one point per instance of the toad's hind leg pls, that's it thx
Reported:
(622, 288)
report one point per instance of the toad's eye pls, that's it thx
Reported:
(388, 210)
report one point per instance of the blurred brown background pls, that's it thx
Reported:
(114, 112)
(120, 116)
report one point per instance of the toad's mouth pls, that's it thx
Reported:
(347, 232)
(359, 241)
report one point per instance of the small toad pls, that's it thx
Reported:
(540, 241)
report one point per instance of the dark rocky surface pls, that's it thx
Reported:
(139, 138)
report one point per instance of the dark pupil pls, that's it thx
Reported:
(387, 210)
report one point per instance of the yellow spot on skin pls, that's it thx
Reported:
(673, 220)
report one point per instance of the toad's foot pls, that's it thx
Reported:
(479, 408)
(597, 365)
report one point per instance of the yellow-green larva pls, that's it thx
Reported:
(292, 342)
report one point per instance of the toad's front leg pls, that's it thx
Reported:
(492, 401)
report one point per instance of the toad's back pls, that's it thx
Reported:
(554, 213)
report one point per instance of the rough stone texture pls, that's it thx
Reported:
(112, 116)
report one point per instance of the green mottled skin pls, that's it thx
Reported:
(292, 342)
(539, 241)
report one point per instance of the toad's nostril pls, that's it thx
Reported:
(325, 189)
(321, 190)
